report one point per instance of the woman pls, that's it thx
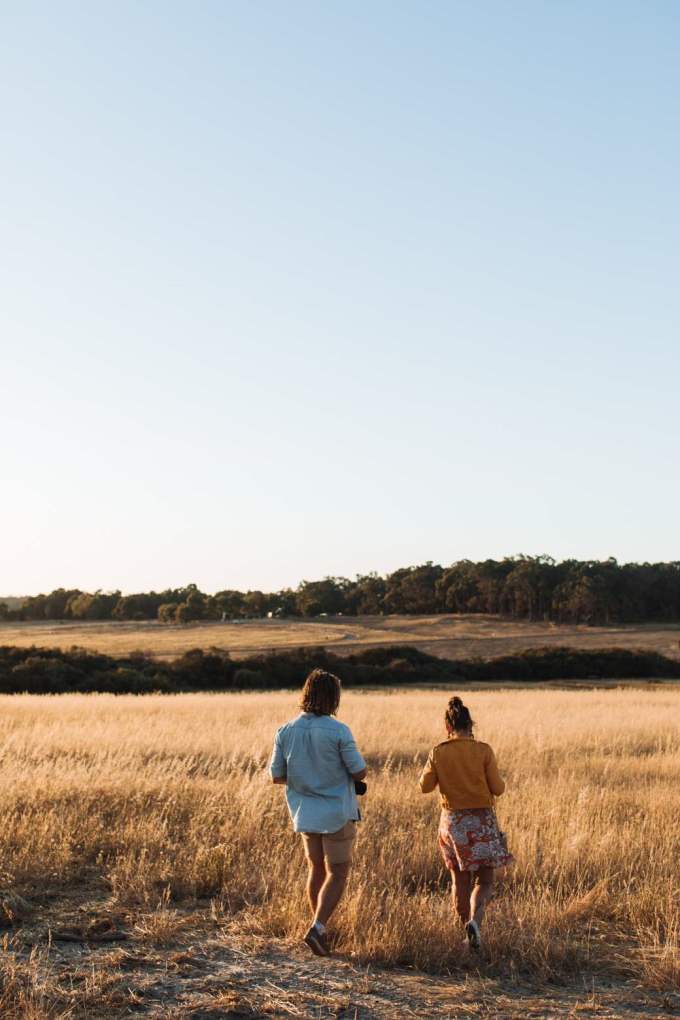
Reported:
(466, 773)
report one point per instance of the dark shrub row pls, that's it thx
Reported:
(51, 671)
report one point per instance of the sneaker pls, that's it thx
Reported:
(474, 935)
(317, 942)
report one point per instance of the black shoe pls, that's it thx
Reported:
(317, 942)
(473, 935)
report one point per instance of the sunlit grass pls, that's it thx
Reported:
(167, 799)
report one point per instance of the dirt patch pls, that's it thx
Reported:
(61, 965)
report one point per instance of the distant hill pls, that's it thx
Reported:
(13, 601)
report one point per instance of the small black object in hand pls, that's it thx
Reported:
(360, 787)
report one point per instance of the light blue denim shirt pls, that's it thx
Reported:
(317, 755)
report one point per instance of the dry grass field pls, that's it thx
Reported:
(148, 867)
(447, 636)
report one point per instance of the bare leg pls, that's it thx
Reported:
(462, 885)
(332, 890)
(316, 876)
(481, 894)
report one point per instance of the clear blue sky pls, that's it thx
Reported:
(296, 289)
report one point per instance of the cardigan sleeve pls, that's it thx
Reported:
(493, 776)
(428, 777)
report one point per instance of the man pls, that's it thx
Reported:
(317, 759)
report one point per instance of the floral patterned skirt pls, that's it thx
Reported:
(470, 839)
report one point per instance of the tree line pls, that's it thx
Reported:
(519, 587)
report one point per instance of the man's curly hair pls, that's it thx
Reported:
(321, 693)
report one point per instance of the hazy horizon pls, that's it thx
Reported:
(317, 290)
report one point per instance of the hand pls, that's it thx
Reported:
(360, 787)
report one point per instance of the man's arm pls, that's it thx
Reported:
(277, 767)
(353, 762)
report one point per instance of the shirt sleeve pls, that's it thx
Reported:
(428, 777)
(493, 776)
(349, 752)
(277, 765)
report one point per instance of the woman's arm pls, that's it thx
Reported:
(493, 776)
(428, 777)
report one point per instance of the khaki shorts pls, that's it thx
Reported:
(336, 847)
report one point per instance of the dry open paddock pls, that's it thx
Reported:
(446, 635)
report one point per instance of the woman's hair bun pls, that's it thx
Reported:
(458, 716)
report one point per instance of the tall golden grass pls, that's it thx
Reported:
(168, 799)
